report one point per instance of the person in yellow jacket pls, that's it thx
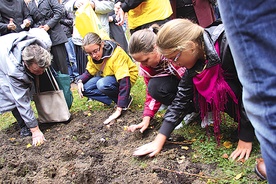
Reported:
(142, 13)
(110, 74)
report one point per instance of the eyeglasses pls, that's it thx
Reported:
(177, 56)
(94, 51)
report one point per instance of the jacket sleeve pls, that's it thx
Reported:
(131, 4)
(58, 11)
(103, 7)
(20, 91)
(151, 106)
(181, 105)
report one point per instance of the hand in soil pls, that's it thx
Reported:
(243, 150)
(114, 116)
(143, 125)
(153, 148)
(38, 137)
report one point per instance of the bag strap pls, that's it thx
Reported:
(51, 78)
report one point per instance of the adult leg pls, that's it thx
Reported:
(91, 91)
(70, 48)
(81, 59)
(24, 130)
(59, 58)
(250, 29)
(118, 34)
(163, 89)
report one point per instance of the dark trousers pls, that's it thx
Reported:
(59, 57)
(18, 118)
(163, 89)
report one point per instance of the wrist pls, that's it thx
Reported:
(34, 129)
(80, 81)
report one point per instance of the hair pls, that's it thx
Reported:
(175, 34)
(91, 38)
(36, 54)
(143, 40)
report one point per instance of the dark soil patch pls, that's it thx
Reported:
(86, 151)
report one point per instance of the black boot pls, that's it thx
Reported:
(25, 131)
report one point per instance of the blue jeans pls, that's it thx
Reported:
(71, 59)
(103, 89)
(250, 27)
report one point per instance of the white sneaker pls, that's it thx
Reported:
(162, 107)
(190, 117)
(179, 126)
(208, 120)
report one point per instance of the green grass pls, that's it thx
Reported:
(205, 148)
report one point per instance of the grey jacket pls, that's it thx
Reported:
(16, 83)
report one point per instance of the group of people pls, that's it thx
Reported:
(190, 64)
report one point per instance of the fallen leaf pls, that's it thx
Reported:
(125, 128)
(225, 155)
(185, 147)
(227, 144)
(29, 145)
(238, 176)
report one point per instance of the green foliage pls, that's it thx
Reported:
(206, 150)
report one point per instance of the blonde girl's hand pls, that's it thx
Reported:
(243, 150)
(153, 148)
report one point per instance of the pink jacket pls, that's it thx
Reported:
(151, 106)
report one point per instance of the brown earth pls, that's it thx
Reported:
(87, 151)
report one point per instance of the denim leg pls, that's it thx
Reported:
(250, 29)
(71, 59)
(109, 86)
(91, 91)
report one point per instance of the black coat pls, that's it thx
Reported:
(49, 12)
(15, 9)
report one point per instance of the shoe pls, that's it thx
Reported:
(190, 117)
(260, 169)
(207, 120)
(25, 131)
(129, 103)
(162, 107)
(179, 126)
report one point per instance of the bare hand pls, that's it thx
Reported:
(80, 89)
(27, 22)
(114, 116)
(143, 125)
(11, 26)
(79, 3)
(242, 151)
(153, 148)
(120, 14)
(38, 137)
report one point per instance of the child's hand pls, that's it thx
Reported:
(114, 116)
(243, 150)
(153, 148)
(143, 125)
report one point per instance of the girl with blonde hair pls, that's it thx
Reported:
(210, 84)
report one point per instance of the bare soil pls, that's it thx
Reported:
(87, 151)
